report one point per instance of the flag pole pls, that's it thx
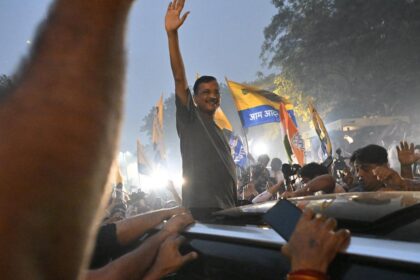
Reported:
(246, 139)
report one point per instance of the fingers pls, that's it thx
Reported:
(308, 214)
(412, 147)
(178, 222)
(176, 241)
(178, 210)
(184, 17)
(174, 4)
(189, 257)
(285, 250)
(330, 224)
(170, 6)
(181, 4)
(320, 219)
(178, 5)
(179, 240)
(343, 237)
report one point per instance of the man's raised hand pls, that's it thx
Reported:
(173, 18)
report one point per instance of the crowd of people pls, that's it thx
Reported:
(366, 170)
(68, 98)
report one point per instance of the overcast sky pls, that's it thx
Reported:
(220, 38)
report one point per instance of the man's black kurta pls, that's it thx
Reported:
(208, 168)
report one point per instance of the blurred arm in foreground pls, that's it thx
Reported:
(68, 99)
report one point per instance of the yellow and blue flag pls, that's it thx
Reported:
(322, 132)
(255, 106)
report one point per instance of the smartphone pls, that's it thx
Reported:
(283, 218)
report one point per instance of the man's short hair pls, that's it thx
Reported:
(276, 164)
(371, 154)
(313, 170)
(263, 159)
(202, 79)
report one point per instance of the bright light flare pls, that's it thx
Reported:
(259, 148)
(348, 139)
(159, 178)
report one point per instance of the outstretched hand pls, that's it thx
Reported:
(389, 177)
(178, 222)
(169, 259)
(314, 243)
(406, 154)
(173, 18)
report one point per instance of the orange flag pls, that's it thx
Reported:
(157, 131)
(292, 133)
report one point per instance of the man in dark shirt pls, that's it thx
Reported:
(373, 171)
(208, 167)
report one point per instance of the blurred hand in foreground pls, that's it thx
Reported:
(315, 243)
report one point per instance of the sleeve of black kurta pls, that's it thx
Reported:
(106, 246)
(184, 114)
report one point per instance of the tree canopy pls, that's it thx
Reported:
(356, 57)
(5, 84)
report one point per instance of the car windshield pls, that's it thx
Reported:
(300, 82)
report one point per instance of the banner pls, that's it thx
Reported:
(321, 131)
(255, 106)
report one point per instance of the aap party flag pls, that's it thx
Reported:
(221, 120)
(157, 131)
(293, 135)
(238, 151)
(143, 165)
(255, 106)
(321, 131)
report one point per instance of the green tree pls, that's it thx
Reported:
(357, 57)
(5, 84)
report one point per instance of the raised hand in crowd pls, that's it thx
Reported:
(406, 157)
(313, 245)
(390, 178)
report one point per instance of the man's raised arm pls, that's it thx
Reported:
(173, 21)
(60, 127)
